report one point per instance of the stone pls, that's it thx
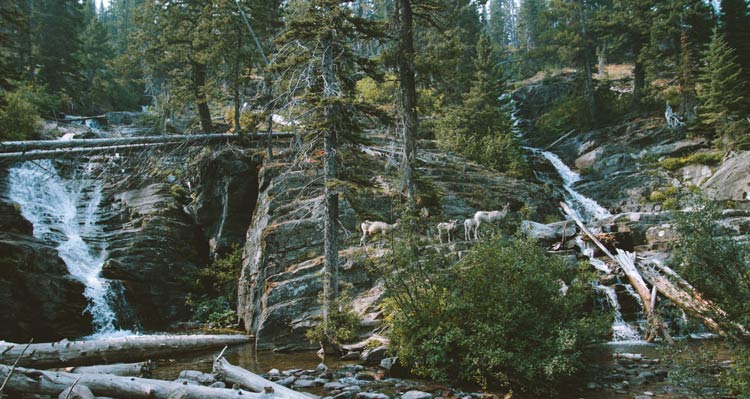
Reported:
(197, 376)
(375, 355)
(365, 377)
(322, 368)
(416, 395)
(334, 385)
(354, 355)
(218, 384)
(371, 395)
(731, 180)
(286, 381)
(388, 362)
(548, 232)
(345, 395)
(304, 383)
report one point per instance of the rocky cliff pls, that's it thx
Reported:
(39, 299)
(280, 282)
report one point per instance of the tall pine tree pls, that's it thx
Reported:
(735, 25)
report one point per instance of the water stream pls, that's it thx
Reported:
(64, 214)
(589, 210)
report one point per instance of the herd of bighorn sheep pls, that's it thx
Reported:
(471, 225)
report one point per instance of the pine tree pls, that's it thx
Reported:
(735, 25)
(57, 43)
(722, 92)
(481, 127)
(316, 48)
(407, 83)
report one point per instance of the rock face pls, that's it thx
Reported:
(39, 299)
(280, 282)
(732, 180)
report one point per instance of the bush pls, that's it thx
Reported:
(214, 289)
(19, 118)
(497, 319)
(570, 113)
(216, 311)
(342, 327)
(714, 262)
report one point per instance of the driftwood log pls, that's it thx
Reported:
(127, 349)
(140, 369)
(232, 374)
(54, 382)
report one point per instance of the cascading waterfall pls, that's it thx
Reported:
(63, 213)
(621, 330)
(587, 209)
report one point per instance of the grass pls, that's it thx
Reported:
(699, 158)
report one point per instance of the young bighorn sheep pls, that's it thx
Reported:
(448, 227)
(469, 226)
(371, 228)
(489, 217)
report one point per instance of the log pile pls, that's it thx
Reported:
(118, 380)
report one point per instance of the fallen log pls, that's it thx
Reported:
(34, 145)
(77, 391)
(42, 382)
(232, 374)
(140, 369)
(626, 260)
(125, 349)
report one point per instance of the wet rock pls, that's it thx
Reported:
(286, 381)
(322, 368)
(304, 383)
(354, 355)
(334, 386)
(218, 384)
(371, 395)
(375, 355)
(365, 377)
(53, 303)
(416, 395)
(345, 395)
(197, 376)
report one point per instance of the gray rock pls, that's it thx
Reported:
(197, 376)
(286, 381)
(731, 180)
(304, 383)
(322, 368)
(548, 232)
(371, 395)
(388, 362)
(353, 388)
(345, 395)
(218, 384)
(334, 385)
(416, 395)
(375, 355)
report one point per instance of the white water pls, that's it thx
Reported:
(63, 213)
(621, 330)
(586, 208)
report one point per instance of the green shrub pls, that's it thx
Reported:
(19, 118)
(342, 327)
(567, 114)
(213, 289)
(216, 311)
(497, 319)
(714, 262)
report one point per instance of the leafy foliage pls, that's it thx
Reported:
(715, 263)
(342, 326)
(214, 289)
(19, 118)
(496, 319)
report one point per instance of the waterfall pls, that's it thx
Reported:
(64, 214)
(621, 330)
(585, 207)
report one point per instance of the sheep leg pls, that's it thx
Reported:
(440, 236)
(362, 240)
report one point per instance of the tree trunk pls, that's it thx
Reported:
(409, 119)
(231, 374)
(201, 99)
(54, 382)
(77, 392)
(639, 83)
(330, 269)
(588, 78)
(139, 369)
(81, 353)
(237, 73)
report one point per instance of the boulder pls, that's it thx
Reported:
(731, 181)
(548, 232)
(416, 395)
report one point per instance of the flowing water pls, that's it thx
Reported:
(64, 214)
(589, 210)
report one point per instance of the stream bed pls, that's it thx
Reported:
(619, 371)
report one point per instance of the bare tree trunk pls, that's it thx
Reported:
(330, 269)
(405, 58)
(81, 353)
(588, 78)
(639, 83)
(237, 73)
(201, 99)
(54, 382)
(139, 369)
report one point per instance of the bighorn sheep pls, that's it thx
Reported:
(489, 217)
(469, 225)
(448, 227)
(371, 228)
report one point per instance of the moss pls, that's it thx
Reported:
(699, 158)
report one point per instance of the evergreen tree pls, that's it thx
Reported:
(405, 60)
(57, 43)
(532, 23)
(316, 48)
(735, 25)
(11, 25)
(722, 93)
(481, 127)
